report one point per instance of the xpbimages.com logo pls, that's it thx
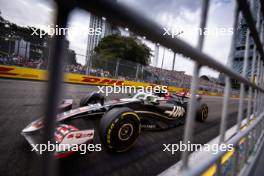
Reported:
(56, 30)
(51, 147)
(107, 90)
(214, 148)
(176, 31)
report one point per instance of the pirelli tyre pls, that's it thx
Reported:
(92, 98)
(119, 128)
(202, 112)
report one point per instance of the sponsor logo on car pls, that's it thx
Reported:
(177, 111)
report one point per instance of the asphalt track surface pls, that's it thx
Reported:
(22, 101)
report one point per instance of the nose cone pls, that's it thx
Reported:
(34, 126)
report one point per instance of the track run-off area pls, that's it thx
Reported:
(22, 101)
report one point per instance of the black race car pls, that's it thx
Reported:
(121, 120)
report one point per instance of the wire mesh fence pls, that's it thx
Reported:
(248, 138)
(126, 17)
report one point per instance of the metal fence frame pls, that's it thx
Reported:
(124, 16)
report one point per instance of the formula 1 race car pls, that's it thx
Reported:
(121, 120)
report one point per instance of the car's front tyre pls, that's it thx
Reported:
(119, 128)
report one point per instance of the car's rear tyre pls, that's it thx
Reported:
(202, 112)
(92, 98)
(119, 128)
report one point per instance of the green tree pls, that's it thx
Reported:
(115, 47)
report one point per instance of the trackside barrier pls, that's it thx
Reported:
(126, 17)
(227, 159)
(41, 75)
